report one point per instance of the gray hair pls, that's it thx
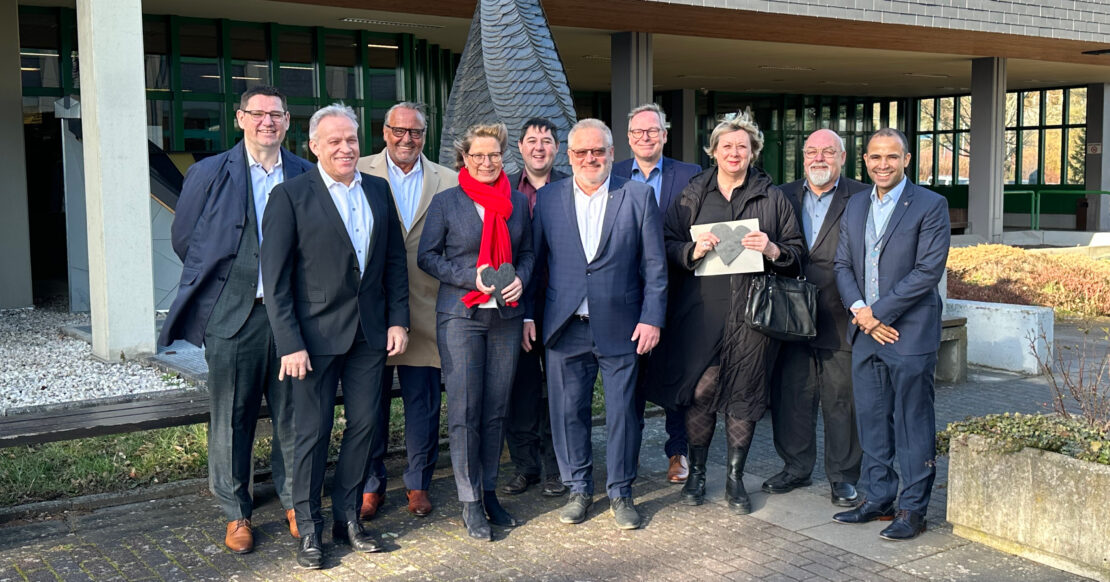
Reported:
(333, 110)
(652, 107)
(419, 108)
(741, 120)
(591, 123)
(497, 131)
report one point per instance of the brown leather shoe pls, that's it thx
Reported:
(419, 504)
(238, 538)
(678, 470)
(371, 503)
(291, 517)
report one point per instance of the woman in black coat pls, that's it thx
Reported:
(716, 362)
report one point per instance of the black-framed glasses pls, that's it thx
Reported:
(414, 132)
(257, 114)
(495, 157)
(581, 154)
(640, 133)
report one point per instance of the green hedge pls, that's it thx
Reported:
(1015, 431)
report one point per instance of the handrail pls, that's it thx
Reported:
(1073, 192)
(1034, 206)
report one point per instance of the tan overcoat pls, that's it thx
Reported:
(422, 350)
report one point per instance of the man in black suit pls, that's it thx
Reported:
(337, 296)
(528, 432)
(818, 371)
(216, 233)
(647, 133)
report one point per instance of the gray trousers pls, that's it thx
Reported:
(478, 358)
(807, 377)
(241, 370)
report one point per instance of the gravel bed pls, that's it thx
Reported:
(42, 367)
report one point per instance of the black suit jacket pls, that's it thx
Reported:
(314, 296)
(832, 319)
(209, 221)
(514, 178)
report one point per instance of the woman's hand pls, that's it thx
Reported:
(704, 243)
(513, 290)
(757, 240)
(479, 285)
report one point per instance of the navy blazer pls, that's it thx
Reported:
(676, 175)
(914, 250)
(449, 248)
(626, 282)
(832, 321)
(314, 297)
(208, 225)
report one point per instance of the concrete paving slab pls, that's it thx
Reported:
(863, 540)
(975, 562)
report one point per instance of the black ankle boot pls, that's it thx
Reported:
(693, 492)
(734, 487)
(497, 514)
(474, 518)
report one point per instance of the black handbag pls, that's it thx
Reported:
(783, 308)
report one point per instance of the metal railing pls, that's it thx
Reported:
(1036, 196)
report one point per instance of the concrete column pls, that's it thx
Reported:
(630, 70)
(117, 177)
(683, 134)
(988, 127)
(15, 234)
(1097, 175)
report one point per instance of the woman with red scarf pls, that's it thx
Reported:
(480, 225)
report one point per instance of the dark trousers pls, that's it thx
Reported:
(573, 365)
(478, 356)
(420, 394)
(241, 370)
(808, 377)
(894, 411)
(360, 371)
(675, 425)
(528, 430)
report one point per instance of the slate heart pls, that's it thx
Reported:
(499, 278)
(730, 246)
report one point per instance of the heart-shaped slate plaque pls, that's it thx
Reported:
(730, 246)
(499, 278)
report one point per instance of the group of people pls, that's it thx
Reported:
(516, 292)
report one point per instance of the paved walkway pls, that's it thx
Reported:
(787, 537)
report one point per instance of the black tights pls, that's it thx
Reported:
(701, 418)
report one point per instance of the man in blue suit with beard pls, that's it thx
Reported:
(892, 252)
(601, 239)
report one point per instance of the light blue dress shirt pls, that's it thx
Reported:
(879, 216)
(814, 210)
(406, 189)
(354, 209)
(262, 182)
(653, 179)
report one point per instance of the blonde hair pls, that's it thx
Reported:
(741, 120)
(496, 130)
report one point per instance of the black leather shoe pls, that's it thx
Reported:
(474, 518)
(310, 554)
(495, 513)
(519, 484)
(867, 511)
(553, 487)
(353, 534)
(578, 505)
(843, 494)
(907, 525)
(784, 482)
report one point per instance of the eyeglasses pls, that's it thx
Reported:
(639, 133)
(495, 157)
(414, 132)
(581, 154)
(811, 153)
(258, 114)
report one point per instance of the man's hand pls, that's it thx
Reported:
(396, 340)
(513, 291)
(865, 320)
(646, 336)
(529, 336)
(295, 365)
(884, 334)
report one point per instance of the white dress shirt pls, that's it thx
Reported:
(589, 210)
(354, 209)
(262, 182)
(407, 189)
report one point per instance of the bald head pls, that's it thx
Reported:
(823, 159)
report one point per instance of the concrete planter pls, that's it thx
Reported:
(1039, 505)
(998, 333)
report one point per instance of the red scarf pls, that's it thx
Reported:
(496, 248)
